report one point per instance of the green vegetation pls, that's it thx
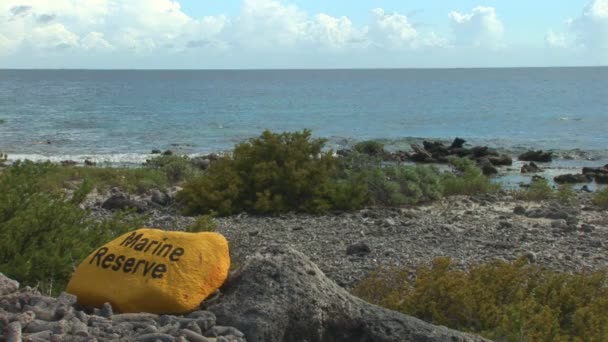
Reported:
(43, 236)
(565, 195)
(399, 185)
(203, 223)
(370, 148)
(270, 174)
(467, 179)
(2, 121)
(538, 190)
(501, 301)
(601, 198)
(176, 168)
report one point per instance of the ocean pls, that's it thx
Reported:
(119, 116)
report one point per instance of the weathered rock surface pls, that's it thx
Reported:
(536, 156)
(530, 168)
(30, 316)
(280, 295)
(572, 178)
(7, 285)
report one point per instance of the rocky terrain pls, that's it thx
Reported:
(470, 229)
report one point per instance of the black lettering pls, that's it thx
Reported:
(141, 245)
(152, 244)
(128, 265)
(148, 267)
(100, 252)
(139, 262)
(107, 261)
(159, 271)
(118, 262)
(176, 254)
(166, 249)
(156, 249)
(131, 240)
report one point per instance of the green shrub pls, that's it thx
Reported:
(538, 190)
(501, 301)
(601, 198)
(203, 223)
(399, 185)
(270, 174)
(370, 148)
(467, 179)
(565, 194)
(176, 168)
(43, 236)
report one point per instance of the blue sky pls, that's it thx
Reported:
(209, 34)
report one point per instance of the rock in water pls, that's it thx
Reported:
(280, 295)
(150, 270)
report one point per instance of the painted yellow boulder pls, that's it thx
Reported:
(151, 270)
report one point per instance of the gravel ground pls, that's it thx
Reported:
(471, 230)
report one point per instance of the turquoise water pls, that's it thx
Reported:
(122, 115)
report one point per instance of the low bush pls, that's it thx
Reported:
(370, 148)
(565, 195)
(399, 185)
(270, 174)
(203, 223)
(538, 190)
(467, 179)
(176, 168)
(601, 198)
(501, 301)
(43, 236)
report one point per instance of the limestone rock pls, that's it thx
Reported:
(155, 271)
(280, 295)
(7, 285)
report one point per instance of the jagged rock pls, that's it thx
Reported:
(280, 295)
(160, 197)
(420, 154)
(501, 160)
(121, 201)
(572, 178)
(7, 285)
(486, 167)
(458, 143)
(530, 168)
(156, 151)
(536, 156)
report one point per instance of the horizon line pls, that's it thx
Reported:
(304, 69)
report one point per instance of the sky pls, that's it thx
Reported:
(269, 34)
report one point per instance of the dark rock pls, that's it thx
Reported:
(601, 179)
(274, 298)
(168, 153)
(457, 143)
(530, 168)
(594, 171)
(201, 162)
(358, 249)
(587, 228)
(88, 162)
(68, 163)
(461, 152)
(536, 156)
(481, 151)
(501, 160)
(7, 285)
(345, 152)
(585, 188)
(120, 201)
(156, 152)
(486, 167)
(572, 178)
(420, 155)
(160, 197)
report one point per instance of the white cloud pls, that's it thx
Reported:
(96, 41)
(555, 39)
(53, 37)
(393, 29)
(591, 27)
(481, 27)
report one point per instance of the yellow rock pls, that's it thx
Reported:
(151, 270)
